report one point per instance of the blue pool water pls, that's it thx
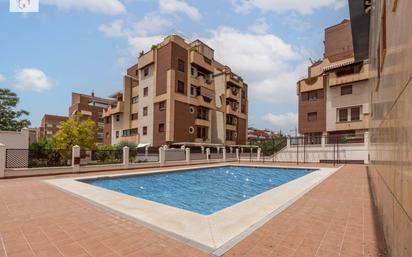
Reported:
(204, 191)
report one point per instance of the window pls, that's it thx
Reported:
(230, 135)
(243, 108)
(136, 73)
(145, 91)
(202, 113)
(202, 132)
(343, 115)
(146, 72)
(346, 90)
(135, 99)
(194, 91)
(243, 94)
(312, 95)
(312, 116)
(355, 113)
(107, 120)
(162, 106)
(161, 127)
(193, 71)
(125, 133)
(144, 131)
(117, 117)
(180, 87)
(144, 111)
(181, 65)
(134, 116)
(231, 120)
(107, 135)
(134, 132)
(117, 134)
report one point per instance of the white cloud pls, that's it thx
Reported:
(137, 39)
(261, 27)
(270, 66)
(176, 6)
(283, 121)
(296, 23)
(2, 78)
(32, 80)
(281, 6)
(111, 7)
(152, 23)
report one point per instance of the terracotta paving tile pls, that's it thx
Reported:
(336, 218)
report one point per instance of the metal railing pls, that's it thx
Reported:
(33, 158)
(101, 156)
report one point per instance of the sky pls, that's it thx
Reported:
(84, 45)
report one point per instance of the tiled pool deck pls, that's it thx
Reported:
(336, 218)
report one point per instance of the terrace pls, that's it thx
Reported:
(335, 218)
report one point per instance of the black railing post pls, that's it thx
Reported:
(304, 149)
(297, 151)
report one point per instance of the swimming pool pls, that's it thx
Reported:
(203, 191)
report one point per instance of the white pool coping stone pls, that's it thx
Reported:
(215, 233)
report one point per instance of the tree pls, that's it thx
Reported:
(122, 144)
(10, 118)
(75, 131)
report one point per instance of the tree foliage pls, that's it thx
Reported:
(75, 131)
(10, 118)
(122, 144)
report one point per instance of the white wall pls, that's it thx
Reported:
(359, 97)
(146, 101)
(316, 153)
(12, 139)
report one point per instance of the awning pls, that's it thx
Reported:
(143, 145)
(338, 65)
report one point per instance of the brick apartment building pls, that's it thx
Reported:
(91, 106)
(334, 98)
(50, 124)
(178, 94)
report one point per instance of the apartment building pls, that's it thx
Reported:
(50, 124)
(91, 106)
(179, 94)
(334, 98)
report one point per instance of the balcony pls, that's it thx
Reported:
(310, 84)
(235, 79)
(232, 110)
(202, 122)
(362, 75)
(146, 59)
(201, 81)
(231, 127)
(114, 109)
(200, 60)
(233, 93)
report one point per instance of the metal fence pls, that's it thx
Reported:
(31, 158)
(196, 153)
(100, 156)
(142, 155)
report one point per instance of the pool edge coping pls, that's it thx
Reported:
(217, 248)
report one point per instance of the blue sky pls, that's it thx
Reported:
(80, 46)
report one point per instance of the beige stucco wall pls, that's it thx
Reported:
(17, 140)
(146, 101)
(359, 97)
